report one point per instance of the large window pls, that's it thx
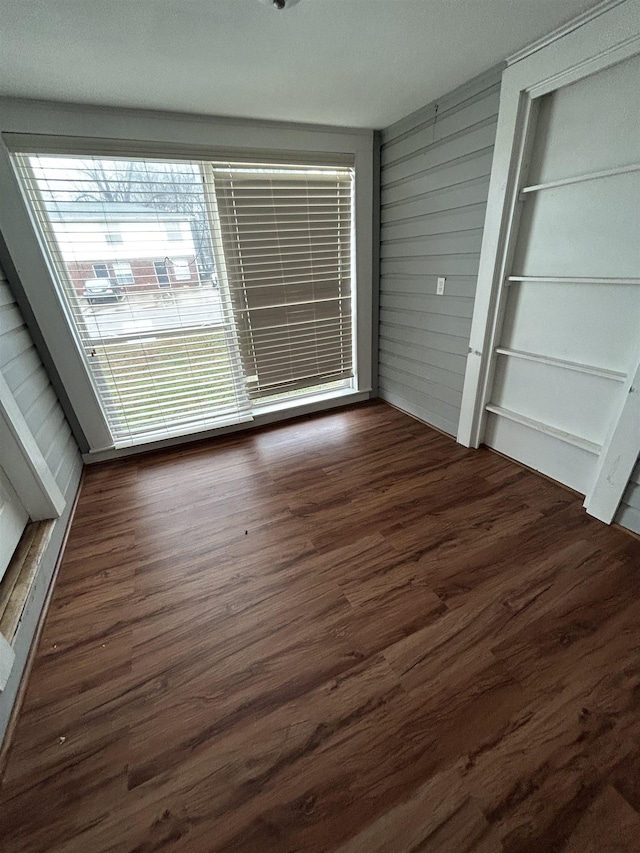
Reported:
(254, 310)
(286, 239)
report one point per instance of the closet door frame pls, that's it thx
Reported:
(605, 36)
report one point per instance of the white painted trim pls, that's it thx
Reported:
(23, 462)
(560, 32)
(563, 363)
(579, 179)
(514, 279)
(539, 426)
(579, 50)
(516, 123)
(36, 105)
(618, 457)
(625, 49)
(7, 657)
(28, 143)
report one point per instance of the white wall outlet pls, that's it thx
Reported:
(440, 286)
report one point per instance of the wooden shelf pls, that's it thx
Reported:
(592, 370)
(539, 426)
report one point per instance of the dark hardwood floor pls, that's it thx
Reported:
(340, 634)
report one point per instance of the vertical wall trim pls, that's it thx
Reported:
(375, 262)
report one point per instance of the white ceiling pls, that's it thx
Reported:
(359, 63)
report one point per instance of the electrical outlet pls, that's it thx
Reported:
(440, 286)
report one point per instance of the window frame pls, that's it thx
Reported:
(59, 129)
(119, 275)
(104, 270)
(181, 269)
(161, 271)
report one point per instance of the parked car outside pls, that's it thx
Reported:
(97, 290)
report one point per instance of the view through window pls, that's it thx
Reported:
(198, 291)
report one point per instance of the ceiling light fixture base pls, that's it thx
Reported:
(280, 5)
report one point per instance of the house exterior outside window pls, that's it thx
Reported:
(85, 233)
(123, 272)
(162, 273)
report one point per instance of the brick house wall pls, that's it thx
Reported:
(142, 270)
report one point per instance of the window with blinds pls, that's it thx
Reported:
(198, 291)
(286, 237)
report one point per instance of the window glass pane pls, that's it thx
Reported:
(286, 235)
(123, 272)
(164, 360)
(198, 290)
(162, 274)
(181, 270)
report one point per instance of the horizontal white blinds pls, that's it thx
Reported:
(195, 288)
(286, 237)
(131, 244)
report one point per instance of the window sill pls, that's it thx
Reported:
(264, 416)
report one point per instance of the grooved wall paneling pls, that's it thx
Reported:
(23, 371)
(435, 167)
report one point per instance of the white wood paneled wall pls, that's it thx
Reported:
(23, 372)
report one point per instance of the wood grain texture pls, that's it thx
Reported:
(345, 634)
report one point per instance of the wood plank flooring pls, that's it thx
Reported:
(345, 634)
